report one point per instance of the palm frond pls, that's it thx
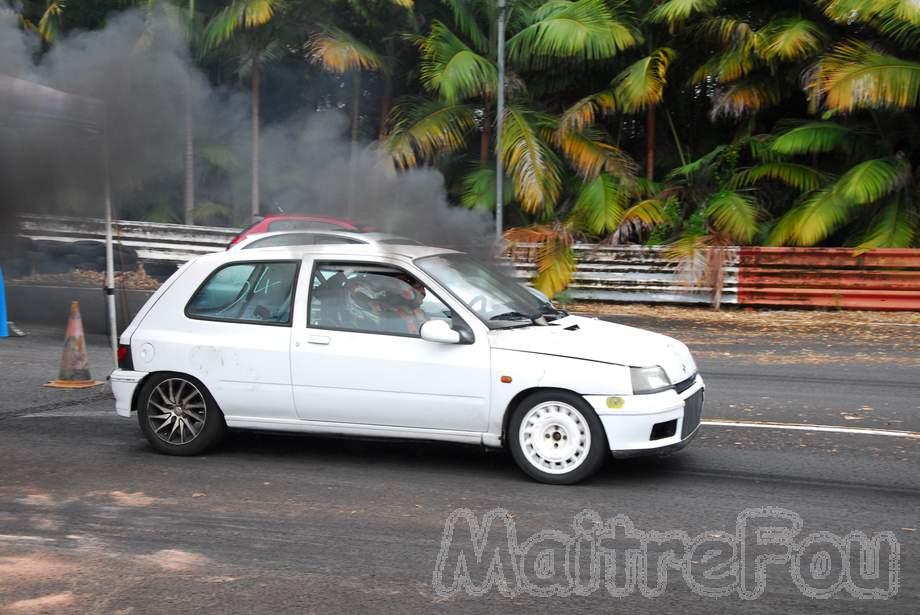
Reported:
(745, 97)
(649, 212)
(239, 14)
(210, 212)
(725, 30)
(589, 155)
(479, 189)
(465, 14)
(896, 225)
(643, 82)
(799, 176)
(849, 11)
(555, 264)
(675, 12)
(898, 19)
(789, 39)
(696, 166)
(734, 215)
(587, 110)
(601, 204)
(338, 51)
(530, 160)
(854, 75)
(729, 65)
(811, 221)
(580, 30)
(812, 138)
(423, 130)
(451, 69)
(871, 180)
(49, 26)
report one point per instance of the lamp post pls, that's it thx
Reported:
(499, 123)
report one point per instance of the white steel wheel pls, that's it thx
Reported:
(555, 437)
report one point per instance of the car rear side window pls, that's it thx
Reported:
(292, 239)
(257, 292)
(302, 225)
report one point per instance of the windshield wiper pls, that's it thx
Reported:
(513, 316)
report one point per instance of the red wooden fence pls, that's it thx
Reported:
(883, 279)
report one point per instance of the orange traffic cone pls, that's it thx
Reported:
(75, 363)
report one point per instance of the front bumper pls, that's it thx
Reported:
(651, 424)
(124, 383)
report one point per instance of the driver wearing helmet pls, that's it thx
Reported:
(386, 304)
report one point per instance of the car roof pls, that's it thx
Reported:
(345, 251)
(370, 237)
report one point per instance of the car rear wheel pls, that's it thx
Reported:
(556, 438)
(178, 415)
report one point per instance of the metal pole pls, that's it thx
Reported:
(109, 260)
(500, 124)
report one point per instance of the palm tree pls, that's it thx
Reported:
(251, 17)
(855, 169)
(564, 173)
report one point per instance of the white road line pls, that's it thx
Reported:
(68, 414)
(23, 538)
(864, 431)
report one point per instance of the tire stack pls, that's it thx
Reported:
(29, 257)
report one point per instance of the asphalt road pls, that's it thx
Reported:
(93, 521)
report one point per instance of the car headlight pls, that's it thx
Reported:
(648, 380)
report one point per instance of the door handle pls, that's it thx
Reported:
(318, 339)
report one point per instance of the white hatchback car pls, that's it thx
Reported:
(398, 341)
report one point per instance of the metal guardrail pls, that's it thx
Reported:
(882, 279)
(154, 242)
(641, 274)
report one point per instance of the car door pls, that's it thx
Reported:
(358, 357)
(236, 338)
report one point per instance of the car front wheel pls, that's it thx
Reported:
(556, 438)
(178, 415)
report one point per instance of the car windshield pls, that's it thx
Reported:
(497, 299)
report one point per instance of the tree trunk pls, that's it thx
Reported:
(189, 161)
(385, 105)
(355, 120)
(650, 144)
(256, 78)
(716, 263)
(484, 147)
(189, 135)
(387, 97)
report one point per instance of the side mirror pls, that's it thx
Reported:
(439, 331)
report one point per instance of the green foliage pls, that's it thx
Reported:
(479, 189)
(812, 138)
(792, 123)
(585, 30)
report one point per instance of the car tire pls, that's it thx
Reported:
(178, 415)
(555, 437)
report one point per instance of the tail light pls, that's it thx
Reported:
(125, 360)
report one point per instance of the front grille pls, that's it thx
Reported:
(683, 385)
(693, 412)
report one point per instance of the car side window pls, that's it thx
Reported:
(294, 239)
(371, 299)
(258, 292)
(301, 225)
